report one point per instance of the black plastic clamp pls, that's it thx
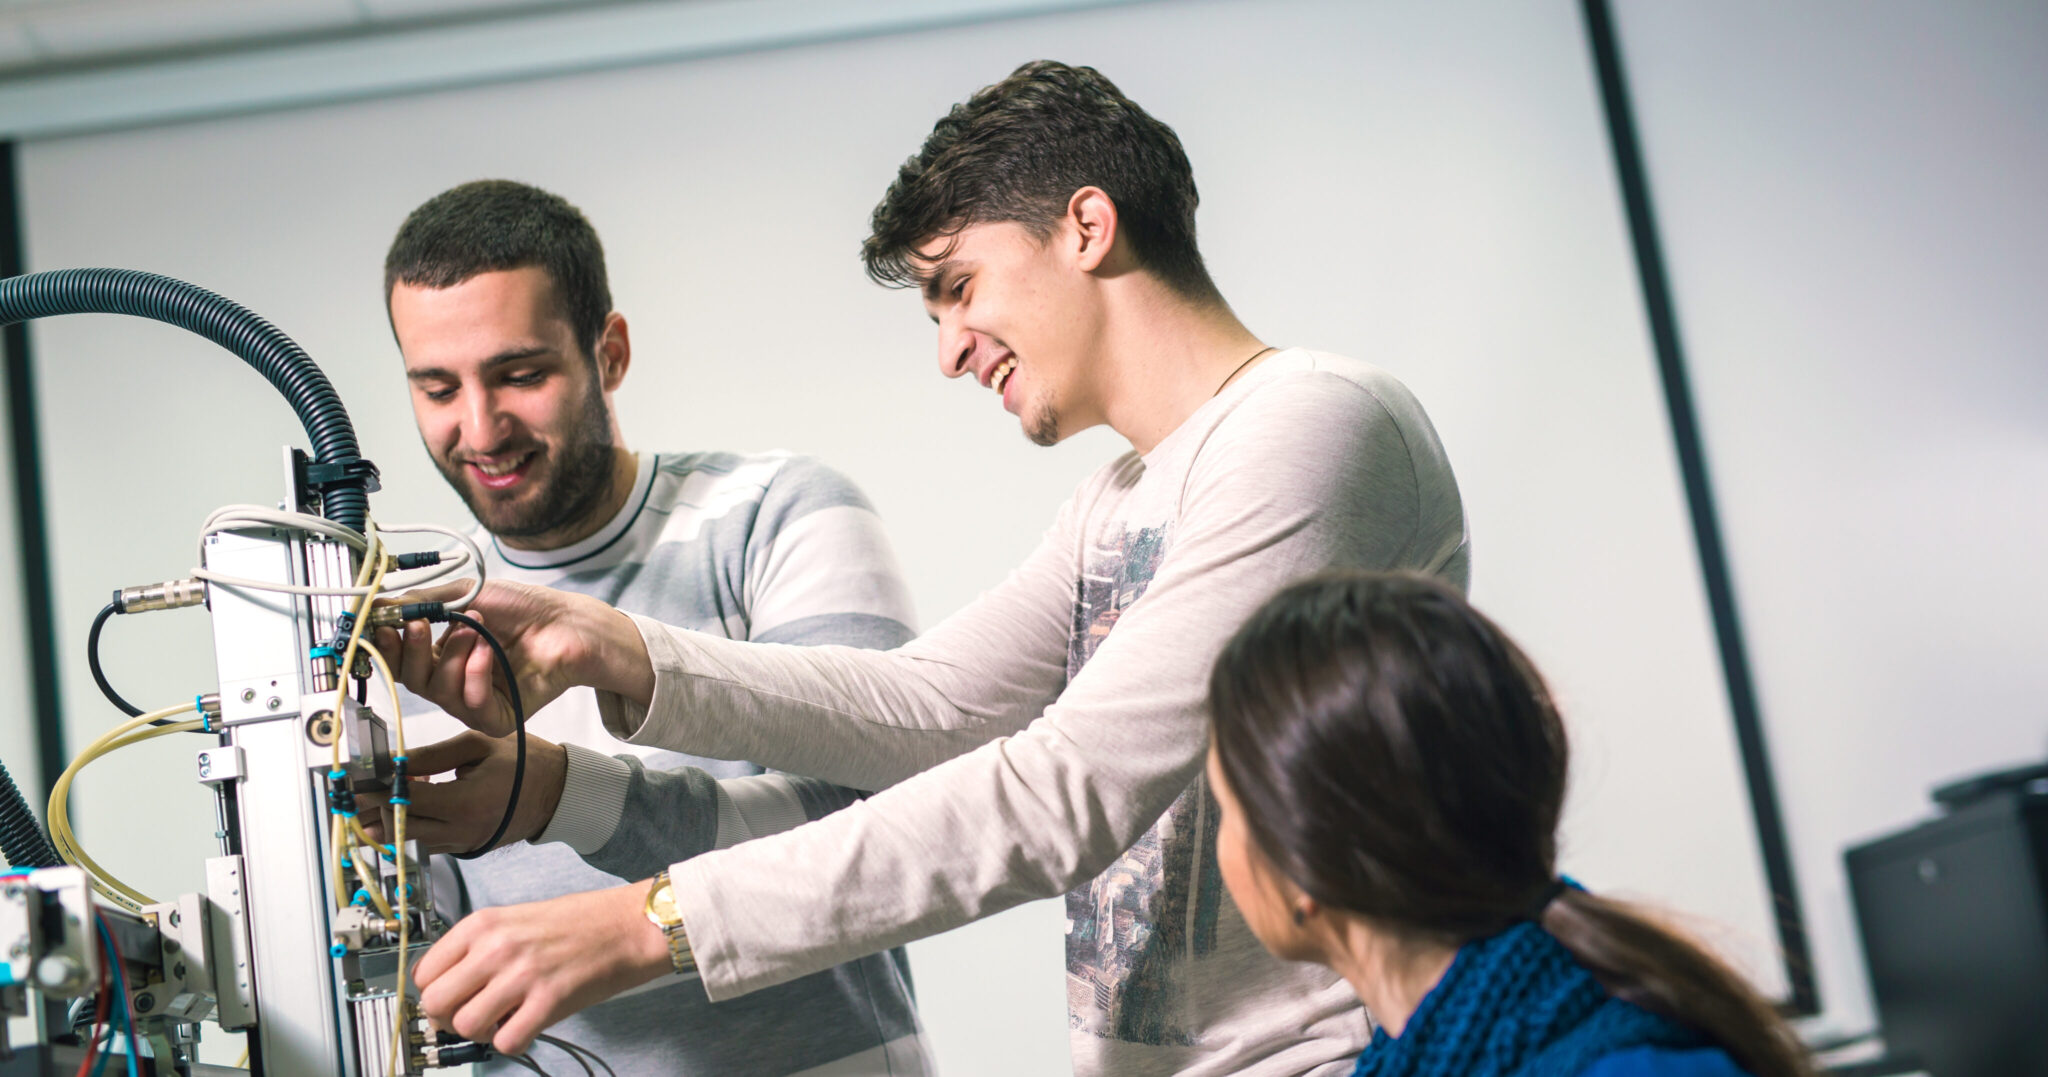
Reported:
(320, 475)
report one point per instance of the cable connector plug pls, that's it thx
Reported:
(437, 1055)
(171, 595)
(394, 616)
(422, 559)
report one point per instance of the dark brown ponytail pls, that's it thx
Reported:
(1646, 963)
(1397, 756)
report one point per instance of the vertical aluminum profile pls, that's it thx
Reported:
(262, 641)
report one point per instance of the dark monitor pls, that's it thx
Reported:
(1954, 920)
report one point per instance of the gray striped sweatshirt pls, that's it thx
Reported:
(772, 548)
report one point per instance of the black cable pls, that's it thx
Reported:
(99, 675)
(567, 1048)
(523, 1060)
(579, 1053)
(518, 732)
(92, 658)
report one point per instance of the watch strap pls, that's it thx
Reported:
(680, 956)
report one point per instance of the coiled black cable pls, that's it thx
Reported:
(22, 839)
(518, 732)
(232, 326)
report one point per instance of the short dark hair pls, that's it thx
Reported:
(490, 225)
(1395, 755)
(1018, 150)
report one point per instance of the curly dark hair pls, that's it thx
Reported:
(489, 225)
(1018, 150)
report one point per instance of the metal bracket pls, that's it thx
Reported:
(234, 984)
(220, 764)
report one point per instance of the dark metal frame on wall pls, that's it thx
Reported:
(33, 531)
(1699, 495)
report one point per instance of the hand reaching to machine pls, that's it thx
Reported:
(459, 815)
(503, 974)
(554, 640)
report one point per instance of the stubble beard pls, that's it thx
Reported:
(579, 478)
(1042, 423)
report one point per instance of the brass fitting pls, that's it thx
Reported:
(176, 594)
(386, 616)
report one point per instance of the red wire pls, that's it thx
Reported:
(99, 1021)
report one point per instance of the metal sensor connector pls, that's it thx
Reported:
(176, 594)
(394, 616)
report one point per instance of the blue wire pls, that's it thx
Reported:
(106, 1052)
(121, 995)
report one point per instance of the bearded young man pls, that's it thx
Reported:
(498, 299)
(1048, 738)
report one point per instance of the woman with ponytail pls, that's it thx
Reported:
(1391, 770)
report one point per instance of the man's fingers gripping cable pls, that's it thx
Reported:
(518, 1030)
(451, 817)
(446, 684)
(415, 658)
(451, 975)
(480, 1018)
(391, 644)
(461, 750)
(482, 665)
(488, 1000)
(444, 955)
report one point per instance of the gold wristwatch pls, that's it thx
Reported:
(662, 913)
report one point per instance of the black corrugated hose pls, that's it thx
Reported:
(226, 323)
(22, 839)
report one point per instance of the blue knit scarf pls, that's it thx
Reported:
(1516, 1005)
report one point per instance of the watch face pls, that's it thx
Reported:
(661, 905)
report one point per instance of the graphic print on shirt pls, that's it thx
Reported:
(1132, 928)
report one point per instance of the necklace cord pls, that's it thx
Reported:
(1240, 369)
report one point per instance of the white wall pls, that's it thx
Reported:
(1851, 198)
(1424, 185)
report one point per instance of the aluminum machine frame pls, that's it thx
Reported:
(268, 948)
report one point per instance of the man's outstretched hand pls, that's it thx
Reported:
(460, 814)
(555, 641)
(502, 975)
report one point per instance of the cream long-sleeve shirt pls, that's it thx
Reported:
(1049, 737)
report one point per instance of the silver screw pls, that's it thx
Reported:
(248, 695)
(274, 703)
